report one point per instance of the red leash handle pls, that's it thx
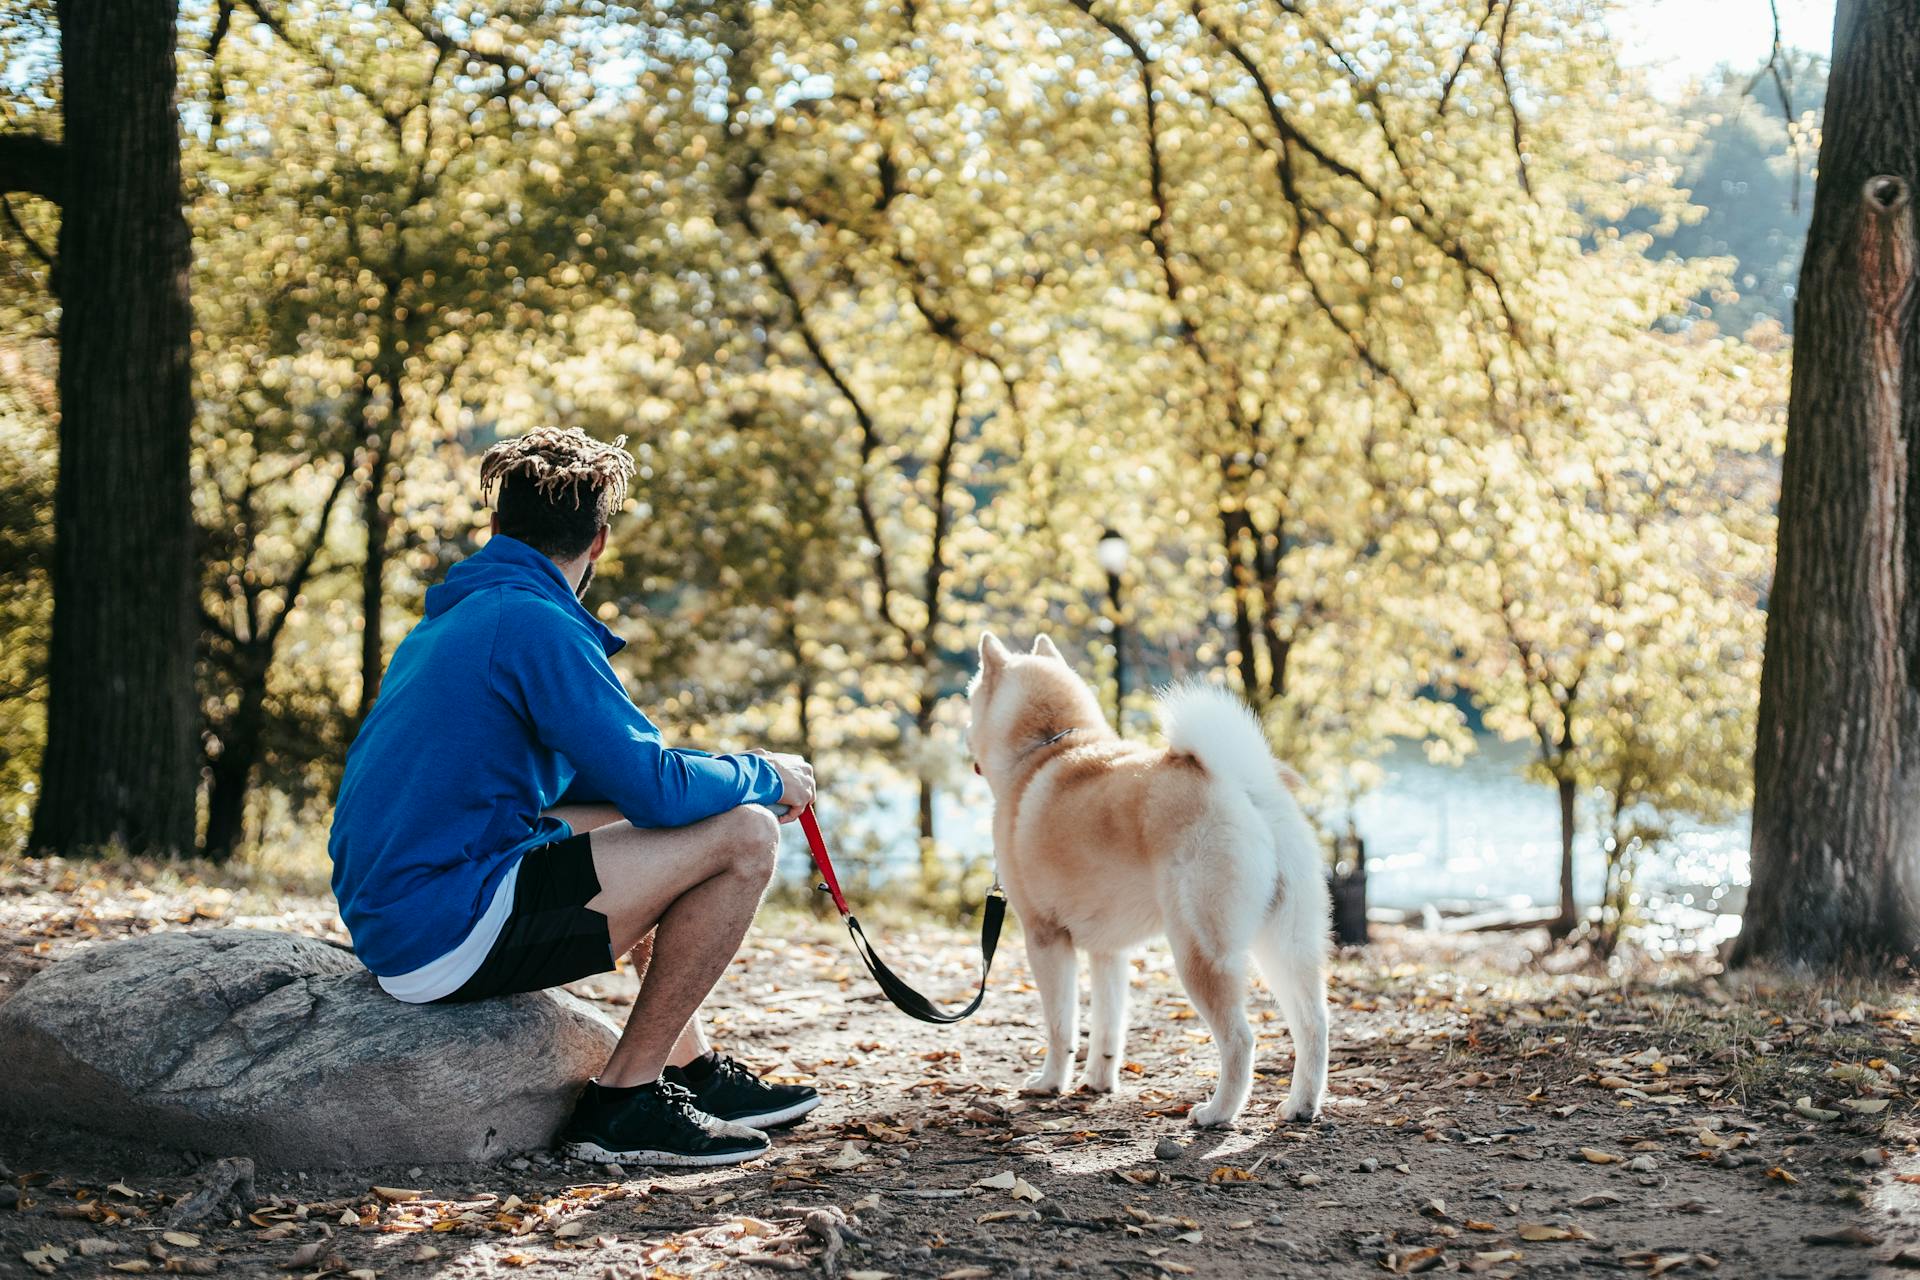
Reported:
(817, 845)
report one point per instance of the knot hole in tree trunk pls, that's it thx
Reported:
(1886, 259)
(1887, 193)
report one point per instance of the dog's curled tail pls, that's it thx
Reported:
(1216, 728)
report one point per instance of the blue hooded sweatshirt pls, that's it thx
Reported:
(497, 703)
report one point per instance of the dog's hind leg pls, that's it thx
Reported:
(1217, 985)
(1299, 981)
(1056, 971)
(1106, 1046)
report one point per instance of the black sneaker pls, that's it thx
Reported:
(656, 1123)
(732, 1092)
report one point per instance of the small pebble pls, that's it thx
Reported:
(1168, 1149)
(1641, 1164)
(415, 1172)
(614, 1171)
(519, 1164)
(1370, 1165)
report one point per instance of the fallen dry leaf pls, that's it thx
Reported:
(1539, 1233)
(1415, 1261)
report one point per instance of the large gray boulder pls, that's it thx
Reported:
(283, 1048)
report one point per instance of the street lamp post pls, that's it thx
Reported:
(1113, 554)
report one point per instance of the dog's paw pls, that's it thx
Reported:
(1099, 1083)
(1043, 1082)
(1211, 1115)
(1300, 1109)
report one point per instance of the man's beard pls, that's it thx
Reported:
(586, 580)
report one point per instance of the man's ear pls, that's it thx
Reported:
(993, 654)
(599, 546)
(1044, 647)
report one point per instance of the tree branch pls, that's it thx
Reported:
(1513, 107)
(20, 229)
(297, 580)
(33, 164)
(869, 429)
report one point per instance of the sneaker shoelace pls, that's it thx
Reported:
(731, 1070)
(677, 1100)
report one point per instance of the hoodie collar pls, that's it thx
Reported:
(507, 561)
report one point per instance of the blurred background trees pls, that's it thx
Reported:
(1432, 369)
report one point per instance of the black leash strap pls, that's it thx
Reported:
(904, 997)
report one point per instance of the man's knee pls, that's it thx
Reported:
(751, 837)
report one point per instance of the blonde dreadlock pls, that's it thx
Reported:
(556, 458)
(554, 488)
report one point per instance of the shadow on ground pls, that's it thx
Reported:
(1485, 1117)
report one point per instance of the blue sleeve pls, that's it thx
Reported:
(568, 691)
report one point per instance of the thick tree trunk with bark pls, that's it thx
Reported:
(121, 755)
(1836, 821)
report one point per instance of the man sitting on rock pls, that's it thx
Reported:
(509, 821)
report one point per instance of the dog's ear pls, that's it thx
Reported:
(1044, 647)
(993, 654)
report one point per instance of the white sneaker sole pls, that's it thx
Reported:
(774, 1119)
(675, 1159)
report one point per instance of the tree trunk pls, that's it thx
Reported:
(382, 421)
(120, 755)
(1272, 550)
(375, 517)
(929, 854)
(1569, 909)
(1836, 818)
(1236, 538)
(230, 775)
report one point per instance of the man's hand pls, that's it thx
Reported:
(796, 780)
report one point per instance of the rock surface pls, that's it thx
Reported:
(283, 1048)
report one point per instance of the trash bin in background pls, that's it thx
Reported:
(1348, 885)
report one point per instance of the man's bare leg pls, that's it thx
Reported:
(693, 1038)
(695, 889)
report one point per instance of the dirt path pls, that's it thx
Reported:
(1483, 1118)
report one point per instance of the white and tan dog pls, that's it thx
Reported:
(1104, 844)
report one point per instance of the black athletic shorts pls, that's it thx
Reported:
(551, 938)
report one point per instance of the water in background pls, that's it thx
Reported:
(1476, 834)
(1482, 831)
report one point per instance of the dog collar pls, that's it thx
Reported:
(1044, 743)
(1041, 745)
